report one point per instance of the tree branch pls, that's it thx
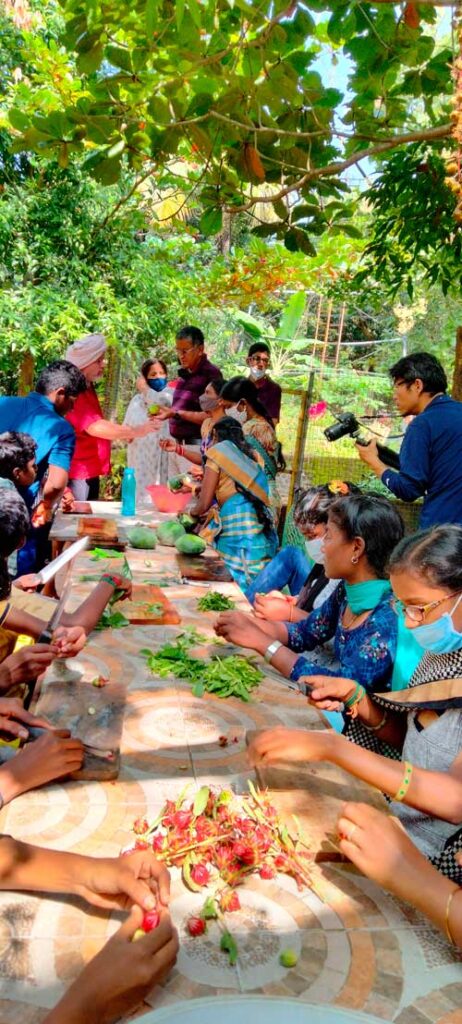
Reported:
(334, 169)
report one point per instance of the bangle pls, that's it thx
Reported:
(357, 695)
(291, 608)
(379, 726)
(446, 916)
(271, 650)
(405, 782)
(114, 581)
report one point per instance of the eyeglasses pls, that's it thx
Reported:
(401, 384)
(264, 360)
(418, 612)
(184, 352)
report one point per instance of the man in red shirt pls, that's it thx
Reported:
(92, 455)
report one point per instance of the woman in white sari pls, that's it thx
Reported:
(145, 454)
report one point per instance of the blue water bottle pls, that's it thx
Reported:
(129, 492)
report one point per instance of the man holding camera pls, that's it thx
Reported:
(431, 452)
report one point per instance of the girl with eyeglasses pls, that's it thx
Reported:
(421, 726)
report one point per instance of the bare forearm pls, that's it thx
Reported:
(190, 416)
(21, 622)
(26, 867)
(89, 612)
(110, 431)
(438, 794)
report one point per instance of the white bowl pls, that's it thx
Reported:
(255, 1010)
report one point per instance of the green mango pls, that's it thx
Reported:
(189, 544)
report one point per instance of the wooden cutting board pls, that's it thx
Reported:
(94, 715)
(98, 528)
(139, 611)
(208, 566)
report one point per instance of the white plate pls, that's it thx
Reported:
(255, 1010)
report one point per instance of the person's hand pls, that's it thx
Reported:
(126, 585)
(67, 503)
(281, 744)
(197, 472)
(52, 756)
(68, 641)
(380, 848)
(14, 718)
(42, 514)
(119, 977)
(274, 606)
(329, 692)
(241, 629)
(165, 412)
(149, 427)
(368, 453)
(26, 664)
(167, 444)
(29, 582)
(118, 882)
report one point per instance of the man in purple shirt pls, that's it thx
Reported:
(186, 416)
(269, 392)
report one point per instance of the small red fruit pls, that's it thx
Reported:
(141, 844)
(158, 843)
(196, 926)
(150, 920)
(230, 902)
(223, 741)
(200, 874)
(140, 826)
(266, 871)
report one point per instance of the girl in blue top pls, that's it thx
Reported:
(361, 533)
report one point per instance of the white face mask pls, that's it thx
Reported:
(237, 414)
(313, 550)
(256, 373)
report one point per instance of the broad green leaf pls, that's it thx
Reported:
(201, 801)
(292, 316)
(18, 119)
(151, 17)
(179, 13)
(211, 221)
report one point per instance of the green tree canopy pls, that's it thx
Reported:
(231, 101)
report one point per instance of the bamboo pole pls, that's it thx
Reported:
(326, 335)
(318, 322)
(340, 333)
(300, 440)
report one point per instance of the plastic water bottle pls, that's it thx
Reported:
(129, 492)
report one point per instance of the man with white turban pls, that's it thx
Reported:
(92, 455)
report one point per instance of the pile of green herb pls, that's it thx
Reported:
(231, 676)
(112, 620)
(214, 602)
(101, 554)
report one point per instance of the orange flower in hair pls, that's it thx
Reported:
(338, 487)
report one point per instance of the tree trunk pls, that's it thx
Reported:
(26, 375)
(457, 377)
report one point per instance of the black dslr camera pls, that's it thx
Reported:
(346, 423)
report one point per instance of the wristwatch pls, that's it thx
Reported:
(272, 649)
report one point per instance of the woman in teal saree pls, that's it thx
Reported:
(234, 499)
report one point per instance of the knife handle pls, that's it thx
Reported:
(45, 637)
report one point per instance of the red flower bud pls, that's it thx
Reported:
(150, 920)
(196, 926)
(182, 819)
(230, 902)
(140, 826)
(200, 874)
(141, 844)
(266, 871)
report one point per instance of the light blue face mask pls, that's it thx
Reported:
(439, 637)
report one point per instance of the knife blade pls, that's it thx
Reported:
(66, 556)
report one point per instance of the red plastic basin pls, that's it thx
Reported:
(165, 501)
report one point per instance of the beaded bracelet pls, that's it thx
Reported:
(446, 916)
(115, 581)
(405, 781)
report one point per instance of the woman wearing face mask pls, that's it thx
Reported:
(422, 724)
(303, 574)
(234, 500)
(211, 403)
(145, 455)
(362, 530)
(242, 402)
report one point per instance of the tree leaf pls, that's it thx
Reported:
(292, 316)
(179, 13)
(228, 945)
(201, 801)
(211, 221)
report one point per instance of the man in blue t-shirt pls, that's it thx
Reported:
(41, 414)
(431, 452)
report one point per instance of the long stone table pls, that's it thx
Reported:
(358, 947)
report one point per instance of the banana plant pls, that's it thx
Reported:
(288, 347)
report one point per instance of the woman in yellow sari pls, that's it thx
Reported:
(235, 500)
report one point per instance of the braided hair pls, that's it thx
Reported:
(228, 429)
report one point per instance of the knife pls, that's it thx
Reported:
(50, 570)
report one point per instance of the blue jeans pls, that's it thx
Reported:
(289, 568)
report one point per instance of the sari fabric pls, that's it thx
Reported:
(233, 526)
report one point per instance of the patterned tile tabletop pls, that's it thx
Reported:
(357, 947)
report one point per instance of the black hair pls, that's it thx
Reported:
(192, 334)
(218, 383)
(228, 429)
(259, 346)
(422, 366)
(240, 389)
(16, 450)
(14, 526)
(435, 554)
(376, 521)
(61, 374)
(150, 362)
(312, 505)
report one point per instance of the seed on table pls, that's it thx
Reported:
(91, 710)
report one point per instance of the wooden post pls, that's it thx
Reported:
(318, 321)
(326, 334)
(457, 377)
(300, 441)
(340, 333)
